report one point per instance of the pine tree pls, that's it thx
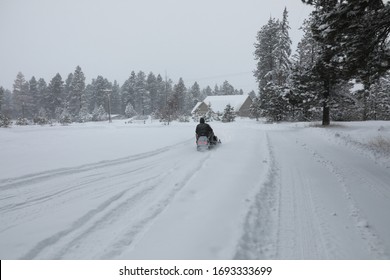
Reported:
(115, 99)
(77, 91)
(227, 89)
(305, 84)
(178, 98)
(162, 94)
(4, 120)
(210, 114)
(128, 91)
(68, 89)
(272, 50)
(130, 112)
(152, 89)
(267, 42)
(255, 109)
(84, 115)
(33, 93)
(141, 95)
(20, 96)
(99, 114)
(206, 92)
(353, 36)
(100, 89)
(41, 117)
(1, 98)
(41, 94)
(229, 114)
(193, 97)
(283, 51)
(54, 98)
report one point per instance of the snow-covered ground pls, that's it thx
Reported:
(142, 191)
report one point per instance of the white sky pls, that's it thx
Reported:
(208, 41)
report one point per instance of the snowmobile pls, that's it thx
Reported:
(203, 143)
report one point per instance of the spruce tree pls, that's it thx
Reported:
(272, 51)
(1, 98)
(192, 97)
(41, 94)
(229, 114)
(20, 96)
(141, 95)
(255, 109)
(33, 93)
(54, 98)
(152, 89)
(76, 97)
(353, 36)
(128, 91)
(115, 99)
(178, 98)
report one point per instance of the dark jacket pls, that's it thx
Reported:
(203, 129)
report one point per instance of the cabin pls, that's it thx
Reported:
(240, 103)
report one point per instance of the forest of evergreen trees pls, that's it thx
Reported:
(340, 70)
(72, 100)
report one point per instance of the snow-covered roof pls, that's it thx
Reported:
(196, 107)
(218, 103)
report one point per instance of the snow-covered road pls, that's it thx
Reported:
(287, 191)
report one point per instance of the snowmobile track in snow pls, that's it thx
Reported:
(128, 199)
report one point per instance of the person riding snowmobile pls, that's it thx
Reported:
(204, 129)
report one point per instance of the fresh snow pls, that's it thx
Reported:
(142, 191)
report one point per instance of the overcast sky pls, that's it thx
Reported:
(208, 41)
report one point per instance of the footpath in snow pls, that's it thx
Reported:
(142, 191)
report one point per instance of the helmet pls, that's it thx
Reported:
(201, 120)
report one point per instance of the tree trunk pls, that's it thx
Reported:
(325, 106)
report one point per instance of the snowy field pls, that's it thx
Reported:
(142, 191)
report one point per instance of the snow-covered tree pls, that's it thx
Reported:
(255, 108)
(267, 41)
(152, 89)
(305, 85)
(272, 51)
(210, 114)
(229, 114)
(42, 94)
(206, 92)
(65, 117)
(283, 51)
(130, 112)
(1, 98)
(354, 44)
(99, 114)
(41, 117)
(116, 99)
(20, 96)
(128, 91)
(193, 97)
(84, 114)
(33, 93)
(178, 98)
(54, 98)
(141, 94)
(77, 91)
(227, 89)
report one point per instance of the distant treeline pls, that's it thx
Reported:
(74, 100)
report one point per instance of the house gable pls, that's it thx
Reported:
(240, 103)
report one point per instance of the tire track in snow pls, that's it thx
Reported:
(259, 232)
(82, 232)
(131, 236)
(367, 233)
(42, 176)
